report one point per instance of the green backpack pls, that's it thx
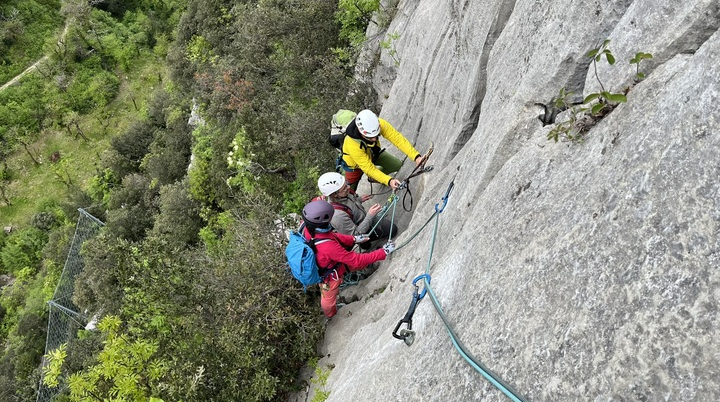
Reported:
(338, 124)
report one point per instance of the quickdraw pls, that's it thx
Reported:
(417, 171)
(392, 200)
(408, 335)
(438, 209)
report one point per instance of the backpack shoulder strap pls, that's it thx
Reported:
(314, 242)
(342, 207)
(324, 271)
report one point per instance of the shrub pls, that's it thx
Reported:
(169, 154)
(98, 286)
(23, 249)
(130, 148)
(132, 208)
(44, 220)
(178, 222)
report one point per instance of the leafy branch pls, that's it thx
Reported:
(321, 394)
(389, 45)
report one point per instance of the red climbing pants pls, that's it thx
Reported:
(328, 296)
(329, 292)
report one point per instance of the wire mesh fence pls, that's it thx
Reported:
(64, 321)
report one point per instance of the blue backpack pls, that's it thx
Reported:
(301, 259)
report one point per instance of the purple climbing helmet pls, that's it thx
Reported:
(318, 212)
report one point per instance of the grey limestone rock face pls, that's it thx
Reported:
(575, 271)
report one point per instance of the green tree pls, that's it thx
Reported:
(126, 368)
(99, 286)
(354, 17)
(178, 222)
(24, 26)
(265, 76)
(23, 250)
(169, 153)
(129, 149)
(132, 208)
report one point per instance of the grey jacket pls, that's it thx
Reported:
(360, 223)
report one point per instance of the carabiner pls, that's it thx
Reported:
(438, 209)
(424, 291)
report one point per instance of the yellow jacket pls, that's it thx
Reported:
(358, 154)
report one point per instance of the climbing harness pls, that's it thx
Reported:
(408, 335)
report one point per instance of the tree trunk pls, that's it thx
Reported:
(25, 145)
(4, 196)
(77, 127)
(67, 128)
(66, 181)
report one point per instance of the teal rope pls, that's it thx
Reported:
(392, 201)
(392, 217)
(494, 379)
(479, 367)
(405, 243)
(351, 279)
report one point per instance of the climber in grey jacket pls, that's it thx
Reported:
(350, 216)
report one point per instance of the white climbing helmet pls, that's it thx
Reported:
(368, 124)
(330, 182)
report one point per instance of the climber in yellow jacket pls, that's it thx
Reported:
(362, 152)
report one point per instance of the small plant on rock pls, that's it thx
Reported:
(565, 130)
(595, 105)
(640, 56)
(606, 101)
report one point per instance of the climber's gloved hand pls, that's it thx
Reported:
(361, 238)
(389, 247)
